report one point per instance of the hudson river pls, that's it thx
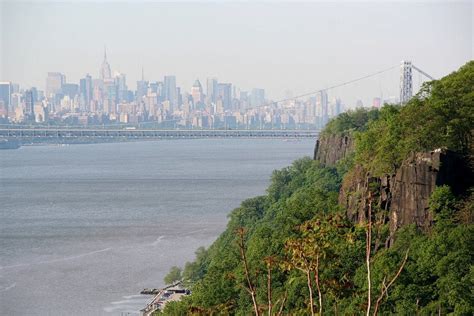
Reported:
(84, 228)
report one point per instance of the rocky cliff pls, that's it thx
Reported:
(400, 198)
(333, 147)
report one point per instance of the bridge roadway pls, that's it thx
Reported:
(70, 133)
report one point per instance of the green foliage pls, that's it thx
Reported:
(350, 121)
(440, 115)
(300, 211)
(193, 271)
(296, 194)
(438, 276)
(175, 309)
(442, 203)
(173, 276)
(378, 147)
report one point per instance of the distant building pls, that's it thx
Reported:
(377, 103)
(6, 95)
(196, 92)
(257, 97)
(70, 89)
(224, 92)
(122, 89)
(40, 113)
(169, 90)
(212, 89)
(179, 97)
(110, 96)
(335, 107)
(15, 88)
(142, 90)
(97, 88)
(105, 72)
(85, 92)
(30, 98)
(54, 84)
(322, 107)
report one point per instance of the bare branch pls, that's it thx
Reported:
(384, 290)
(241, 243)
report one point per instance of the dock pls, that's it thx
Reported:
(173, 292)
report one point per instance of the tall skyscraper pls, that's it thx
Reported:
(257, 97)
(6, 95)
(110, 92)
(142, 88)
(54, 83)
(212, 89)
(30, 98)
(322, 112)
(224, 92)
(196, 92)
(105, 72)
(179, 98)
(121, 83)
(159, 90)
(85, 91)
(336, 107)
(169, 88)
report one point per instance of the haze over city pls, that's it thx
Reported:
(286, 49)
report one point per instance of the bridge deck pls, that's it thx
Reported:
(25, 133)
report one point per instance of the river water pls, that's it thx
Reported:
(84, 228)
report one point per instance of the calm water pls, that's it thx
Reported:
(84, 228)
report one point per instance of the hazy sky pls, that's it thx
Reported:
(279, 46)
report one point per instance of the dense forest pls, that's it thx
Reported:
(294, 251)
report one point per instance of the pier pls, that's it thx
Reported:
(173, 292)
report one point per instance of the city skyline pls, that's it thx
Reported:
(280, 48)
(108, 99)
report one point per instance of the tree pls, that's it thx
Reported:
(173, 276)
(250, 285)
(315, 250)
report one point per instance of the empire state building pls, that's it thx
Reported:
(105, 72)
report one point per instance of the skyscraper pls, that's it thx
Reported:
(30, 100)
(121, 83)
(212, 89)
(85, 91)
(196, 92)
(6, 95)
(224, 92)
(169, 88)
(105, 72)
(322, 104)
(54, 83)
(257, 97)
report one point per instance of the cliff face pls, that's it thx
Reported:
(402, 197)
(331, 148)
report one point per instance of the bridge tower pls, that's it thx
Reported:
(406, 82)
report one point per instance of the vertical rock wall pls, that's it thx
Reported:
(401, 198)
(331, 148)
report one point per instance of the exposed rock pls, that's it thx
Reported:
(416, 179)
(402, 198)
(331, 148)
